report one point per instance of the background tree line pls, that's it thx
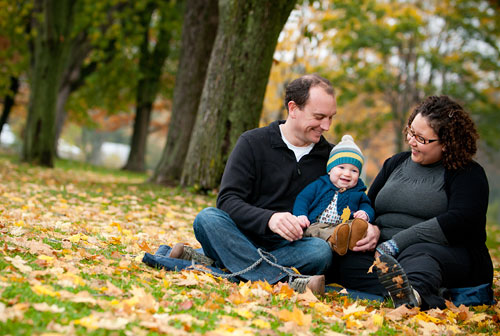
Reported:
(220, 67)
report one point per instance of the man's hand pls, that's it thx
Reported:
(370, 241)
(286, 225)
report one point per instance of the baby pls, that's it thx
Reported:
(326, 201)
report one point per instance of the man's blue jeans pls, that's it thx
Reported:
(231, 249)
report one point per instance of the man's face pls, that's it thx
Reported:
(314, 118)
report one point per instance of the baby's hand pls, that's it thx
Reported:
(304, 221)
(361, 214)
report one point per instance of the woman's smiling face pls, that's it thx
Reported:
(424, 154)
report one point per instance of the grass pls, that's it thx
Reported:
(71, 242)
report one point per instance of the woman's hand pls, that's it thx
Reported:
(370, 241)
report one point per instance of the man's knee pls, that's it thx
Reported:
(321, 250)
(210, 219)
(205, 218)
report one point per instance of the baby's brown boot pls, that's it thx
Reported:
(358, 228)
(339, 240)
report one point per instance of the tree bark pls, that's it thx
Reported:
(234, 89)
(50, 55)
(9, 101)
(76, 71)
(198, 35)
(150, 65)
(71, 79)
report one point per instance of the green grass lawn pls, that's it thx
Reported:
(72, 240)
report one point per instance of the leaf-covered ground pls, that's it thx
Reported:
(71, 243)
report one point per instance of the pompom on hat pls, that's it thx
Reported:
(346, 151)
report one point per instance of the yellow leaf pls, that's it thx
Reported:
(89, 322)
(44, 290)
(75, 238)
(427, 318)
(263, 285)
(261, 324)
(117, 225)
(46, 258)
(138, 258)
(245, 289)
(346, 214)
(378, 319)
(244, 313)
(73, 278)
(115, 240)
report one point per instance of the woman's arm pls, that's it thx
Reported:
(465, 220)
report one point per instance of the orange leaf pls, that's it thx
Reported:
(144, 246)
(296, 316)
(382, 266)
(398, 280)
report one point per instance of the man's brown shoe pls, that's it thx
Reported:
(315, 283)
(181, 251)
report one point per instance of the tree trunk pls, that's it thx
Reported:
(51, 51)
(9, 101)
(236, 81)
(71, 79)
(198, 35)
(150, 66)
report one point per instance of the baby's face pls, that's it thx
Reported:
(344, 175)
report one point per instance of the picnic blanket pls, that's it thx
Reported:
(469, 296)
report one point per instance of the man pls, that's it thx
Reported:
(266, 170)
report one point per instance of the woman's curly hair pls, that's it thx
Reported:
(454, 127)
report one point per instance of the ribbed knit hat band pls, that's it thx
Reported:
(346, 151)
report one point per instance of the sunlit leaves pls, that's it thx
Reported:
(70, 261)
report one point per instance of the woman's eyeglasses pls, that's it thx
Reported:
(418, 138)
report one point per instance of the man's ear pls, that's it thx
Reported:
(292, 109)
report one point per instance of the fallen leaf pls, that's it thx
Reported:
(296, 316)
(144, 246)
(401, 312)
(398, 280)
(244, 313)
(382, 266)
(44, 307)
(19, 263)
(112, 290)
(44, 290)
(307, 297)
(186, 305)
(259, 323)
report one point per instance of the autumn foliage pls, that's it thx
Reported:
(71, 244)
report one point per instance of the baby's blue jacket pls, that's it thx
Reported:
(314, 199)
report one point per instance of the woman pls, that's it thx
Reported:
(430, 207)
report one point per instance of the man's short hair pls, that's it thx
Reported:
(298, 89)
